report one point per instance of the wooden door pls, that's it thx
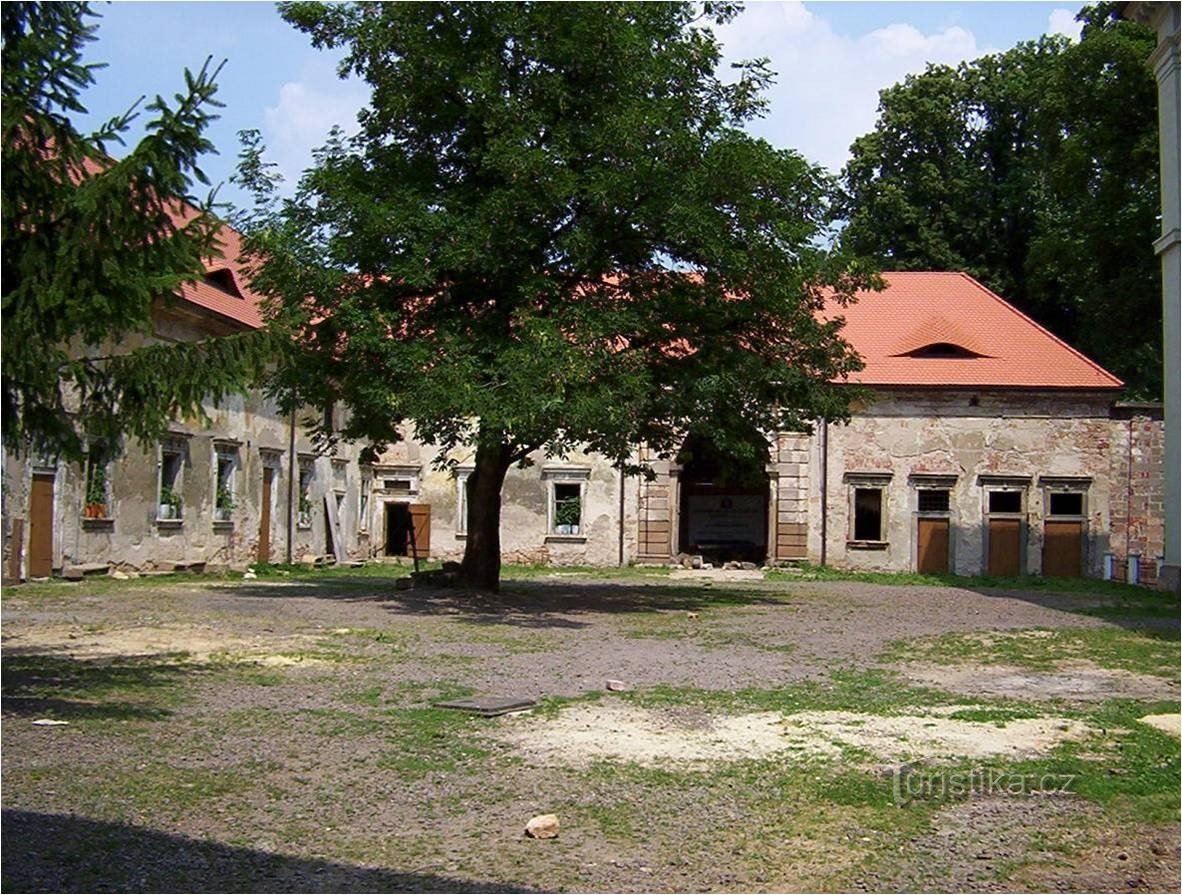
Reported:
(932, 546)
(1062, 554)
(420, 519)
(1005, 547)
(41, 526)
(265, 516)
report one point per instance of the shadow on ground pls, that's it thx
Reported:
(529, 604)
(64, 853)
(66, 687)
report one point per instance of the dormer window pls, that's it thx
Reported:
(223, 280)
(942, 350)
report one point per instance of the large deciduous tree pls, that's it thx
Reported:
(91, 243)
(549, 232)
(1035, 170)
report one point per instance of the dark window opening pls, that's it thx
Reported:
(867, 514)
(944, 349)
(401, 485)
(1066, 503)
(933, 501)
(223, 280)
(1005, 501)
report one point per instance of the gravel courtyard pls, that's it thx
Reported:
(281, 733)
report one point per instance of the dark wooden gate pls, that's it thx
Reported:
(932, 546)
(1005, 547)
(1062, 554)
(41, 526)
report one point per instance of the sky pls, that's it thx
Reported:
(831, 59)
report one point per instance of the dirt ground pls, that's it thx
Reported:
(278, 735)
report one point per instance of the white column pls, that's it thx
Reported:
(1165, 67)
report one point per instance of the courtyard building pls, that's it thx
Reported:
(979, 444)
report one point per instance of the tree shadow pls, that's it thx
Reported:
(65, 853)
(528, 603)
(66, 687)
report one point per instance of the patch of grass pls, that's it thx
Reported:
(1041, 649)
(996, 714)
(1130, 593)
(615, 820)
(425, 741)
(537, 570)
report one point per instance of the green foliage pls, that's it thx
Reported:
(1036, 171)
(502, 255)
(92, 244)
(169, 497)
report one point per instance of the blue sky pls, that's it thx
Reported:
(832, 59)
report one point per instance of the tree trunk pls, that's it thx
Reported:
(481, 566)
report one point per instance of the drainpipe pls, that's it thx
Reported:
(621, 520)
(292, 472)
(824, 491)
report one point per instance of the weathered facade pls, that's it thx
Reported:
(980, 445)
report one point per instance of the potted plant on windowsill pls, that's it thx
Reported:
(96, 495)
(170, 504)
(223, 504)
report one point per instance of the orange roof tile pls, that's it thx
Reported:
(924, 308)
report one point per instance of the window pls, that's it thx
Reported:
(97, 500)
(363, 502)
(568, 508)
(304, 503)
(1005, 501)
(340, 469)
(868, 514)
(462, 480)
(399, 486)
(1066, 503)
(225, 464)
(172, 467)
(933, 500)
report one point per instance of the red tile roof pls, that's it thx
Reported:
(242, 308)
(925, 308)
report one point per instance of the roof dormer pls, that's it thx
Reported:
(223, 280)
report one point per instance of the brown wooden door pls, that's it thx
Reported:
(41, 527)
(265, 516)
(932, 546)
(420, 518)
(1062, 554)
(1005, 547)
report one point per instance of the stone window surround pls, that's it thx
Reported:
(462, 474)
(304, 462)
(1064, 484)
(869, 480)
(1008, 483)
(566, 476)
(932, 481)
(413, 472)
(363, 497)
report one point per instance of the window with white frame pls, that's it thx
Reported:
(868, 507)
(225, 466)
(567, 496)
(463, 477)
(171, 482)
(304, 495)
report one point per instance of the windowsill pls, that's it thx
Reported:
(304, 527)
(223, 523)
(461, 535)
(170, 523)
(98, 522)
(867, 545)
(566, 539)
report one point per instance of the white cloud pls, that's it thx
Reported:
(1062, 21)
(827, 84)
(305, 112)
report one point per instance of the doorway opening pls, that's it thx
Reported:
(398, 529)
(723, 512)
